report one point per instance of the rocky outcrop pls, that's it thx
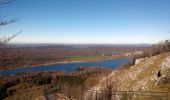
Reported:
(148, 74)
(137, 61)
(165, 72)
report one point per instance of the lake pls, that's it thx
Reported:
(68, 67)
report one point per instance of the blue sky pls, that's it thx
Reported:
(89, 21)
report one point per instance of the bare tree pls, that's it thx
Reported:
(5, 52)
(107, 92)
(161, 47)
(5, 39)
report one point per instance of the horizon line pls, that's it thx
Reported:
(45, 43)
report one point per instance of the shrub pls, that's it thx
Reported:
(56, 87)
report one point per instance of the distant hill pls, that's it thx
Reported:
(81, 45)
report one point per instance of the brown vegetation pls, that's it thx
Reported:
(10, 86)
(7, 57)
(27, 56)
(156, 49)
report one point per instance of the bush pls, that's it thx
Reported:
(107, 90)
(56, 87)
(161, 47)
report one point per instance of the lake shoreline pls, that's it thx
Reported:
(62, 62)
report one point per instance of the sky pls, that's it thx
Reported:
(88, 21)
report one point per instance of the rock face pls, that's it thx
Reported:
(143, 76)
(148, 74)
(165, 72)
(165, 66)
(137, 61)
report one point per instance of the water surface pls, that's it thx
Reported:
(68, 67)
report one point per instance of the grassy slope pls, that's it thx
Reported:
(143, 76)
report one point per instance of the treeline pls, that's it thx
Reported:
(35, 79)
(11, 56)
(161, 47)
(62, 79)
(155, 49)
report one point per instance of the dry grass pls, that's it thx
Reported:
(140, 76)
(33, 93)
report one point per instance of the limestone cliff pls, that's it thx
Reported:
(148, 74)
